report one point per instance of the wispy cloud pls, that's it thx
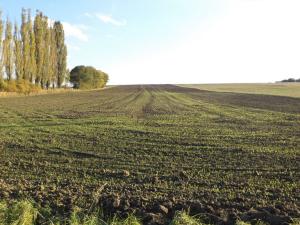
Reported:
(89, 15)
(107, 18)
(76, 31)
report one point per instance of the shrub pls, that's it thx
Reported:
(3, 85)
(19, 86)
(87, 77)
(23, 86)
(11, 86)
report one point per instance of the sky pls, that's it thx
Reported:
(178, 41)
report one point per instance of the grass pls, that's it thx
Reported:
(20, 213)
(280, 89)
(182, 218)
(127, 148)
(24, 213)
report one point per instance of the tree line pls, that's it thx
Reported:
(290, 80)
(32, 55)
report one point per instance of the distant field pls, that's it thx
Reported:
(280, 89)
(218, 155)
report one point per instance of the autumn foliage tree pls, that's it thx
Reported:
(33, 55)
(1, 52)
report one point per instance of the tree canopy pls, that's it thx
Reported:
(33, 54)
(87, 77)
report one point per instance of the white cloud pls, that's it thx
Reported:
(109, 19)
(253, 41)
(51, 22)
(76, 31)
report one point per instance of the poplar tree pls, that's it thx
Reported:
(32, 70)
(61, 53)
(8, 50)
(18, 54)
(26, 45)
(39, 53)
(1, 49)
(53, 59)
(47, 64)
(34, 51)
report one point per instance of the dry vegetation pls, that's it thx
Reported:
(278, 89)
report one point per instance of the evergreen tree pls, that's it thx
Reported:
(8, 51)
(19, 71)
(61, 53)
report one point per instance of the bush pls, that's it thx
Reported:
(3, 85)
(11, 86)
(20, 86)
(23, 86)
(87, 77)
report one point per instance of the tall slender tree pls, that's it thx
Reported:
(53, 59)
(47, 63)
(35, 51)
(19, 71)
(8, 50)
(32, 71)
(26, 44)
(1, 50)
(39, 53)
(61, 53)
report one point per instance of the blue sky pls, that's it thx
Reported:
(178, 41)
